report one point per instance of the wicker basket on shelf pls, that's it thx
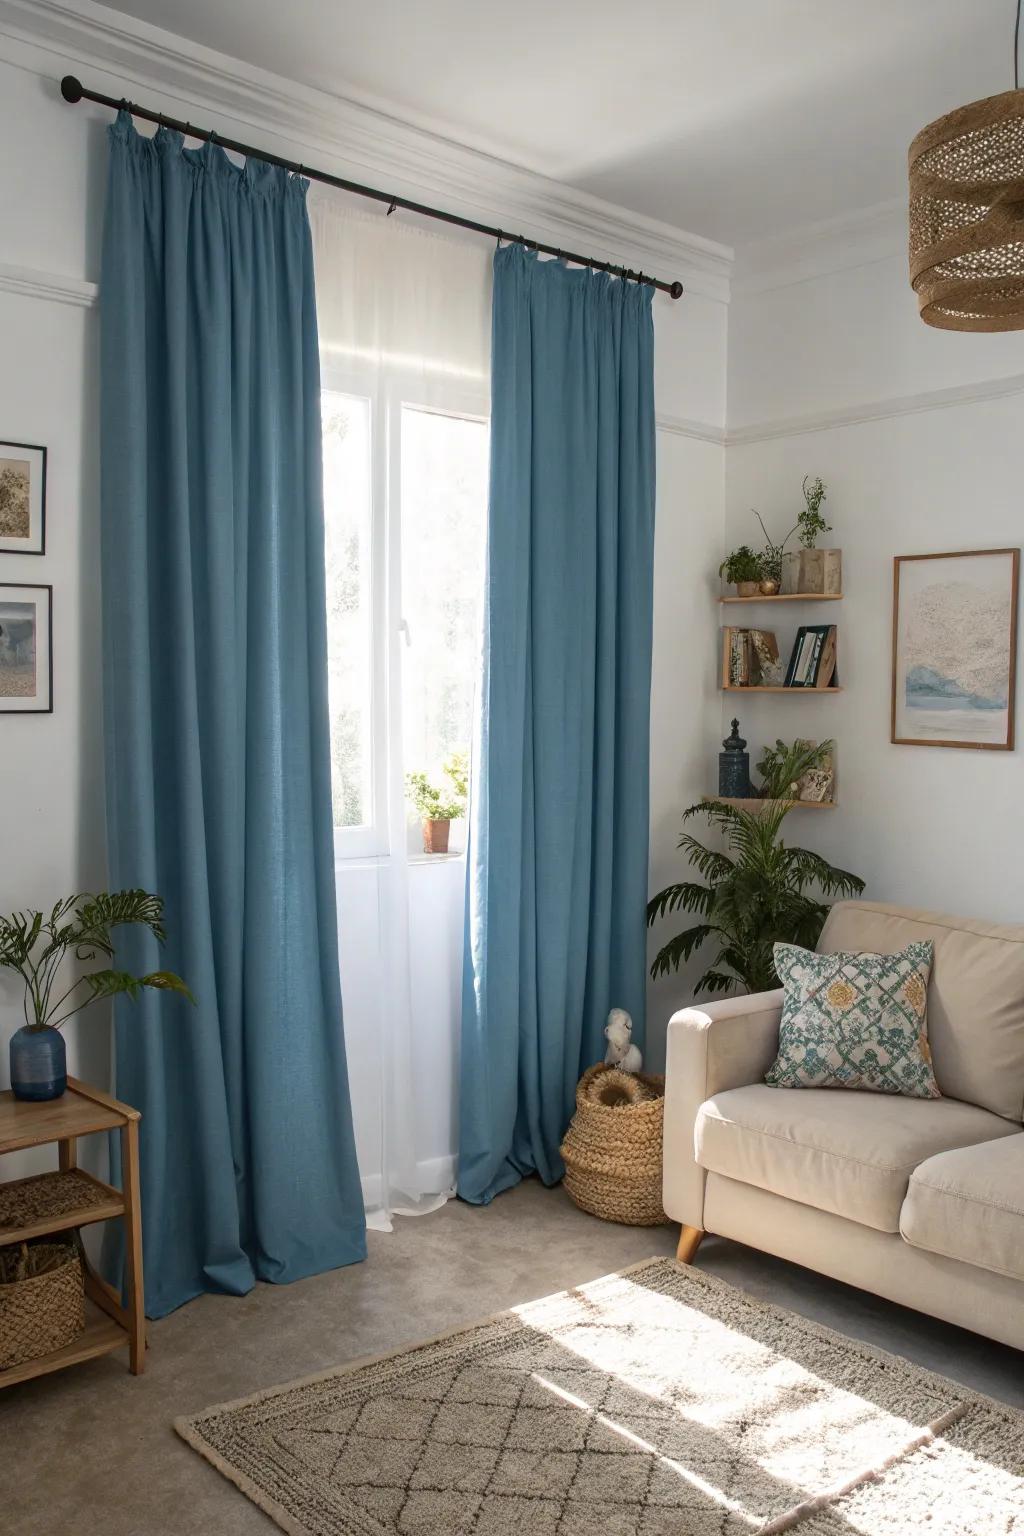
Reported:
(42, 1299)
(612, 1149)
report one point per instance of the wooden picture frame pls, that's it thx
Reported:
(954, 649)
(26, 648)
(22, 499)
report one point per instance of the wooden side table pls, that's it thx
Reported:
(69, 1197)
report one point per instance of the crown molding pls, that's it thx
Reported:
(121, 55)
(31, 283)
(850, 240)
(684, 426)
(877, 410)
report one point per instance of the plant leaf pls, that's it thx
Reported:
(678, 950)
(689, 896)
(167, 981)
(111, 984)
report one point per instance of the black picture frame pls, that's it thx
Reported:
(31, 546)
(33, 708)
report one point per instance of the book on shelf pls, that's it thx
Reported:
(750, 658)
(812, 663)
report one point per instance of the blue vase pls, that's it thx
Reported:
(38, 1063)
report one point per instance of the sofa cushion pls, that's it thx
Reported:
(975, 994)
(833, 1148)
(969, 1204)
(855, 1021)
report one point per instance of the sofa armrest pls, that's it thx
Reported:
(711, 1047)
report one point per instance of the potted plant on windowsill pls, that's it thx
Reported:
(743, 567)
(439, 804)
(35, 947)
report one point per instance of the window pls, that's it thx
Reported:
(348, 508)
(405, 496)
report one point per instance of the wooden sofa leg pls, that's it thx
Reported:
(690, 1239)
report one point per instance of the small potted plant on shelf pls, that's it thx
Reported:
(439, 804)
(35, 947)
(743, 567)
(809, 570)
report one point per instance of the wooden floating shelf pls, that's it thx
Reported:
(759, 688)
(746, 804)
(787, 597)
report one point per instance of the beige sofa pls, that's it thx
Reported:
(919, 1200)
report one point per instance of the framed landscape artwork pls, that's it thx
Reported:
(954, 649)
(26, 649)
(22, 499)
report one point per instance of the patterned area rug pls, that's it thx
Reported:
(656, 1402)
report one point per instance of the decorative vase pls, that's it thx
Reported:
(746, 588)
(38, 1062)
(435, 836)
(734, 767)
(768, 587)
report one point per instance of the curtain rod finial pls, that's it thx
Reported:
(676, 290)
(71, 89)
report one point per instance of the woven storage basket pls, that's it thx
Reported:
(42, 1300)
(612, 1149)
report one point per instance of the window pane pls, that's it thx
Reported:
(347, 514)
(444, 505)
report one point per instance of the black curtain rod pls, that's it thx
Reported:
(74, 91)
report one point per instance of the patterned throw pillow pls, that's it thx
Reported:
(855, 1021)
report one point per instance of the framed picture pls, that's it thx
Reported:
(954, 649)
(26, 649)
(22, 499)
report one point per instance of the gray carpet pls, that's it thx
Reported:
(99, 1440)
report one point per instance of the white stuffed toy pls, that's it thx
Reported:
(621, 1052)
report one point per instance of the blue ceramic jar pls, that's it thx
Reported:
(38, 1063)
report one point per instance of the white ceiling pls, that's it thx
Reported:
(733, 119)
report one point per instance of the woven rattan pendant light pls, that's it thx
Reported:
(967, 214)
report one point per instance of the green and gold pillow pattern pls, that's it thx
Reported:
(855, 1021)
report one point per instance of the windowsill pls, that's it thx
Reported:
(381, 860)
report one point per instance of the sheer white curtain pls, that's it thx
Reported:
(404, 322)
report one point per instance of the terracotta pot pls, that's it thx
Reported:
(746, 588)
(435, 836)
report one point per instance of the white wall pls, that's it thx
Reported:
(51, 785)
(51, 769)
(926, 826)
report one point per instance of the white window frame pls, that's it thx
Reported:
(388, 389)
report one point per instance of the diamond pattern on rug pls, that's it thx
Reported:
(659, 1402)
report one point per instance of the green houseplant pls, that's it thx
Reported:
(809, 524)
(756, 892)
(744, 568)
(35, 947)
(440, 803)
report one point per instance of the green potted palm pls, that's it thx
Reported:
(755, 892)
(440, 802)
(35, 947)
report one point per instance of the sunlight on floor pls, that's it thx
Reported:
(689, 1476)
